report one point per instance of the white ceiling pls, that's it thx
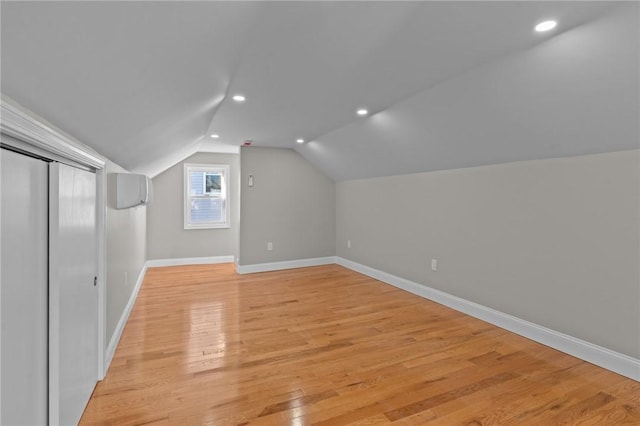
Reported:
(453, 84)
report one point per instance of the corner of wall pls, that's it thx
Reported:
(294, 222)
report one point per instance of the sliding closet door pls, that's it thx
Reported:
(23, 289)
(73, 294)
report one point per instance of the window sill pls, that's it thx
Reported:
(192, 227)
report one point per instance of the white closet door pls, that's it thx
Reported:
(23, 289)
(73, 299)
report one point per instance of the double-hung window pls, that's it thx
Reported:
(206, 194)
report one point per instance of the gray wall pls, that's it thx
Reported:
(291, 204)
(166, 236)
(126, 251)
(555, 241)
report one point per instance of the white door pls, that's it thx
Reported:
(73, 296)
(23, 289)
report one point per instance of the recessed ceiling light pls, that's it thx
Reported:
(215, 136)
(238, 98)
(362, 112)
(546, 26)
(300, 140)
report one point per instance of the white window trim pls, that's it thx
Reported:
(225, 191)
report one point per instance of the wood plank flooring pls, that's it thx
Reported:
(328, 346)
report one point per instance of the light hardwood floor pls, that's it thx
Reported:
(325, 345)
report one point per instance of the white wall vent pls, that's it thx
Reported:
(133, 190)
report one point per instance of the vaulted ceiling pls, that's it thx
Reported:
(447, 84)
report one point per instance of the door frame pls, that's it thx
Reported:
(30, 133)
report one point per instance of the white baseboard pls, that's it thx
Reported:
(603, 357)
(598, 355)
(190, 261)
(117, 333)
(287, 264)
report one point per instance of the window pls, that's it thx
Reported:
(206, 190)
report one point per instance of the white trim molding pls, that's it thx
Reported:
(122, 322)
(220, 169)
(25, 126)
(287, 264)
(101, 223)
(26, 132)
(117, 333)
(189, 261)
(598, 355)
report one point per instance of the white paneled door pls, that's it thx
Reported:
(23, 289)
(73, 295)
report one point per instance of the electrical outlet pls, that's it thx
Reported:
(348, 243)
(270, 246)
(434, 264)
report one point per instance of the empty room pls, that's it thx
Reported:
(320, 213)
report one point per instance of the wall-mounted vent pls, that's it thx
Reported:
(133, 190)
